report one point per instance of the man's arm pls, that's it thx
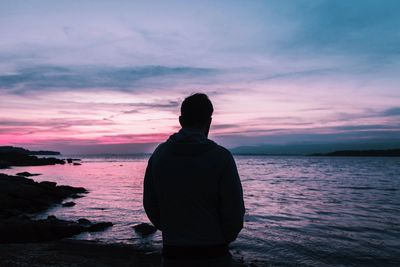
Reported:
(150, 202)
(231, 207)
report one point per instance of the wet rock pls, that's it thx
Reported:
(27, 174)
(68, 204)
(4, 164)
(144, 229)
(48, 185)
(69, 190)
(18, 230)
(76, 196)
(76, 164)
(19, 195)
(96, 227)
(70, 160)
(84, 221)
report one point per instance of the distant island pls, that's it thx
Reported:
(18, 156)
(7, 149)
(376, 148)
(361, 153)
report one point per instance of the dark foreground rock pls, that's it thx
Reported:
(144, 229)
(68, 204)
(27, 174)
(19, 195)
(23, 229)
(77, 253)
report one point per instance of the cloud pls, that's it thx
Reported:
(392, 112)
(311, 136)
(56, 122)
(36, 78)
(368, 127)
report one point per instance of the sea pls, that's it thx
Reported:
(300, 210)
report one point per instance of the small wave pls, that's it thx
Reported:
(357, 187)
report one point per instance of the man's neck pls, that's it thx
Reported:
(194, 130)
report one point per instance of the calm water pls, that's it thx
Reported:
(301, 211)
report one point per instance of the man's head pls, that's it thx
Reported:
(196, 112)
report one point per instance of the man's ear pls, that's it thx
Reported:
(181, 121)
(209, 121)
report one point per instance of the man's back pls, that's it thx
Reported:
(193, 191)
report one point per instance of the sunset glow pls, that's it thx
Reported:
(277, 72)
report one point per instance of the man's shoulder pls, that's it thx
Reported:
(161, 147)
(217, 148)
(222, 150)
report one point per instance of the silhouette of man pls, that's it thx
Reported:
(193, 193)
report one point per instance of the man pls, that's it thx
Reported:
(192, 191)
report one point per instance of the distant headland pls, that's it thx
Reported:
(18, 156)
(361, 153)
(7, 149)
(354, 149)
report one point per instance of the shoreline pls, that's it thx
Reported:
(70, 252)
(80, 253)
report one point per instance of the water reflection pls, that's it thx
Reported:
(300, 210)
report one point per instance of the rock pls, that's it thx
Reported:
(4, 165)
(13, 158)
(27, 174)
(69, 190)
(76, 196)
(96, 227)
(47, 184)
(84, 221)
(5, 149)
(16, 230)
(69, 160)
(144, 229)
(68, 204)
(19, 195)
(76, 164)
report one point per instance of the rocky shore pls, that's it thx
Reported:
(20, 197)
(76, 253)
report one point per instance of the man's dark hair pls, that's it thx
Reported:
(196, 110)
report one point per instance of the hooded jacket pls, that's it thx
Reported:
(192, 191)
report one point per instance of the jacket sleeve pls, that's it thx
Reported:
(231, 207)
(150, 201)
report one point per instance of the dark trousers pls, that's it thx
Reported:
(196, 256)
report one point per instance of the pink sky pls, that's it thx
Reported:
(79, 78)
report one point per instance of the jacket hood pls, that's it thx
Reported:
(190, 142)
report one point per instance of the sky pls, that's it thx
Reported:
(109, 76)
